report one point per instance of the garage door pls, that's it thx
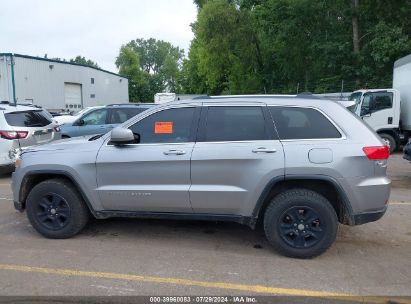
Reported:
(72, 96)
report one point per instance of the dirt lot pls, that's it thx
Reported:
(150, 257)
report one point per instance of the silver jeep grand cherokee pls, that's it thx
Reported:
(298, 165)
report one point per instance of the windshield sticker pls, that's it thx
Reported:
(163, 127)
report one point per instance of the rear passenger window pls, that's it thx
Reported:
(302, 123)
(235, 124)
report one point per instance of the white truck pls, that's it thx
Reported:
(388, 111)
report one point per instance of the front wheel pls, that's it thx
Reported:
(300, 223)
(56, 209)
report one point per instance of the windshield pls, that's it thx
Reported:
(357, 98)
(81, 112)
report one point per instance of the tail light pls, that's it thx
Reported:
(377, 153)
(57, 129)
(13, 134)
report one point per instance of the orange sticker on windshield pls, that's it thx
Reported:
(163, 127)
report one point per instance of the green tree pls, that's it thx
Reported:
(224, 52)
(277, 46)
(152, 66)
(82, 60)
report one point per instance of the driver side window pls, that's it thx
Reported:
(167, 126)
(376, 101)
(97, 117)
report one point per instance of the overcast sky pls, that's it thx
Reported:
(95, 29)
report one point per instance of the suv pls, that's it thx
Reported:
(21, 127)
(100, 120)
(298, 165)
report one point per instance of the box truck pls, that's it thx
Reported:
(388, 111)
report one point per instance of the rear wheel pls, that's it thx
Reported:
(389, 141)
(56, 210)
(300, 223)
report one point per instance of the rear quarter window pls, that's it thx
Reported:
(28, 119)
(302, 123)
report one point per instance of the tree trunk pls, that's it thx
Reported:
(355, 35)
(355, 32)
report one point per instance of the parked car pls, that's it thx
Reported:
(298, 165)
(22, 127)
(67, 118)
(407, 151)
(100, 120)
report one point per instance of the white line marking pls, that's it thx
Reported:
(5, 198)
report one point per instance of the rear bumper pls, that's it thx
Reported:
(367, 217)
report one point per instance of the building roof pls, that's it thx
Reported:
(60, 61)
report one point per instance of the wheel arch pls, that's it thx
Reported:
(324, 185)
(33, 178)
(392, 132)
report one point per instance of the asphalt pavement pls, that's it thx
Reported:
(162, 257)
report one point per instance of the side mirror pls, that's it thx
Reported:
(79, 122)
(365, 112)
(122, 136)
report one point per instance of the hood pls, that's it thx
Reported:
(75, 144)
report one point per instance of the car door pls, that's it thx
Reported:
(236, 155)
(152, 175)
(377, 109)
(93, 122)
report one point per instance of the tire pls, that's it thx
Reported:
(390, 140)
(300, 223)
(56, 209)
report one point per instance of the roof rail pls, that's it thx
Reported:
(253, 95)
(307, 95)
(201, 97)
(130, 104)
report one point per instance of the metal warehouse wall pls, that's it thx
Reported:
(43, 82)
(6, 90)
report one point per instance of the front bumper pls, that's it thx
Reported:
(367, 217)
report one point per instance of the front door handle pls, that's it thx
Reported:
(264, 150)
(174, 152)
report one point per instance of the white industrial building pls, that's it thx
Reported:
(58, 85)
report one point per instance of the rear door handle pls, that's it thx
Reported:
(174, 152)
(264, 150)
